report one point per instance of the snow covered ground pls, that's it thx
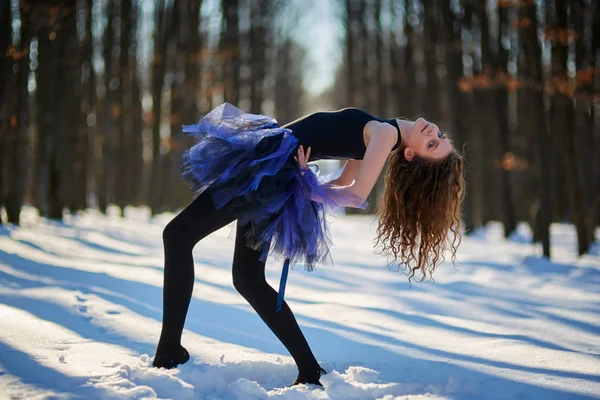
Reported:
(80, 312)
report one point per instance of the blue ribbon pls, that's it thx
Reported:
(284, 274)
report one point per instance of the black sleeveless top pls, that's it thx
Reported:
(335, 135)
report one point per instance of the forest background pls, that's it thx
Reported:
(93, 94)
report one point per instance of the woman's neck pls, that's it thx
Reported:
(404, 126)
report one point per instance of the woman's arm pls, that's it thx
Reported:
(342, 196)
(348, 173)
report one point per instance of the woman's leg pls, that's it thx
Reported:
(199, 219)
(249, 280)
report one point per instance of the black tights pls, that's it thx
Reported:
(196, 221)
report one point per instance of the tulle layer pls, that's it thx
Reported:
(246, 161)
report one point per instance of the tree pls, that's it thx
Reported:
(57, 70)
(532, 116)
(509, 218)
(260, 14)
(230, 48)
(162, 34)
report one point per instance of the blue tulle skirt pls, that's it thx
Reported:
(246, 161)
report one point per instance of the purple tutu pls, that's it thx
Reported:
(247, 161)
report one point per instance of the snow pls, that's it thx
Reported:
(80, 315)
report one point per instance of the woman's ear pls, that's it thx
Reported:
(408, 154)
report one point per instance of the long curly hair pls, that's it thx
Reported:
(419, 206)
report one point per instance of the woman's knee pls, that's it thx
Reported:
(246, 283)
(240, 282)
(176, 234)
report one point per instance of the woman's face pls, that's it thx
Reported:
(425, 140)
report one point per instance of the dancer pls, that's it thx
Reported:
(247, 167)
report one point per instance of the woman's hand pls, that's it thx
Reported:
(302, 159)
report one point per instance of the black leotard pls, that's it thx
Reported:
(336, 135)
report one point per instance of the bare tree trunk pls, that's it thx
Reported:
(193, 61)
(560, 117)
(509, 219)
(104, 177)
(477, 157)
(87, 115)
(430, 37)
(458, 100)
(585, 59)
(90, 111)
(491, 174)
(259, 13)
(136, 161)
(71, 153)
(176, 66)
(68, 106)
(7, 84)
(350, 51)
(210, 72)
(161, 35)
(123, 117)
(190, 46)
(56, 39)
(282, 83)
(7, 80)
(532, 111)
(380, 57)
(21, 154)
(595, 121)
(289, 91)
(577, 128)
(397, 75)
(45, 116)
(364, 99)
(409, 107)
(557, 128)
(474, 159)
(230, 50)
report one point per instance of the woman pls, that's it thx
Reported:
(247, 167)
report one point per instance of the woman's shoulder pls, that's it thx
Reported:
(379, 128)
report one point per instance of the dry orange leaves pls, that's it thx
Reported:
(514, 3)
